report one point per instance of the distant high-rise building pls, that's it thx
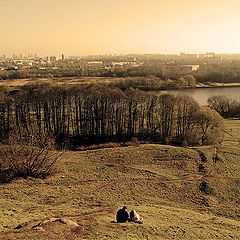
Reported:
(21, 56)
(62, 56)
(4, 57)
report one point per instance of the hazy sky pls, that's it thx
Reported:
(81, 27)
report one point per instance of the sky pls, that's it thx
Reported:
(91, 27)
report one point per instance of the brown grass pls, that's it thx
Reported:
(161, 182)
(61, 81)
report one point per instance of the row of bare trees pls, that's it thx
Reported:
(89, 114)
(226, 106)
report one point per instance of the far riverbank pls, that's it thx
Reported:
(217, 85)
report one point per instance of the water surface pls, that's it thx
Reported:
(201, 95)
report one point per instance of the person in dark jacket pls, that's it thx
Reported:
(122, 215)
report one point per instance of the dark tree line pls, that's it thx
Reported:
(92, 114)
(227, 107)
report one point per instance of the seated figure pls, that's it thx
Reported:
(134, 216)
(122, 215)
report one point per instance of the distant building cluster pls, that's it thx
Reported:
(30, 56)
(21, 61)
(190, 67)
(112, 63)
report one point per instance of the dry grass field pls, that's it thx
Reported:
(181, 193)
(12, 83)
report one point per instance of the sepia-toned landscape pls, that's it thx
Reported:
(119, 120)
(181, 193)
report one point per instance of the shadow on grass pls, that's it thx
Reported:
(6, 176)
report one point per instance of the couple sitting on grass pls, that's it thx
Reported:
(122, 216)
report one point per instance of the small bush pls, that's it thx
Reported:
(28, 154)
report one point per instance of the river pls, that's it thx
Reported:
(201, 95)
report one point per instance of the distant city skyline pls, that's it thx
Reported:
(63, 56)
(80, 28)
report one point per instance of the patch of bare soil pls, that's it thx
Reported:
(53, 228)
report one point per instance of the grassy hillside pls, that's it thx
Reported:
(181, 193)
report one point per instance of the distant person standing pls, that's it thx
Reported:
(122, 215)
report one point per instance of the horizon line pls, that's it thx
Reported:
(117, 54)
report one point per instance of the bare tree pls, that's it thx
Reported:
(209, 125)
(225, 106)
(28, 154)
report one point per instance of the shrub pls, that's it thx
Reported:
(210, 126)
(28, 154)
